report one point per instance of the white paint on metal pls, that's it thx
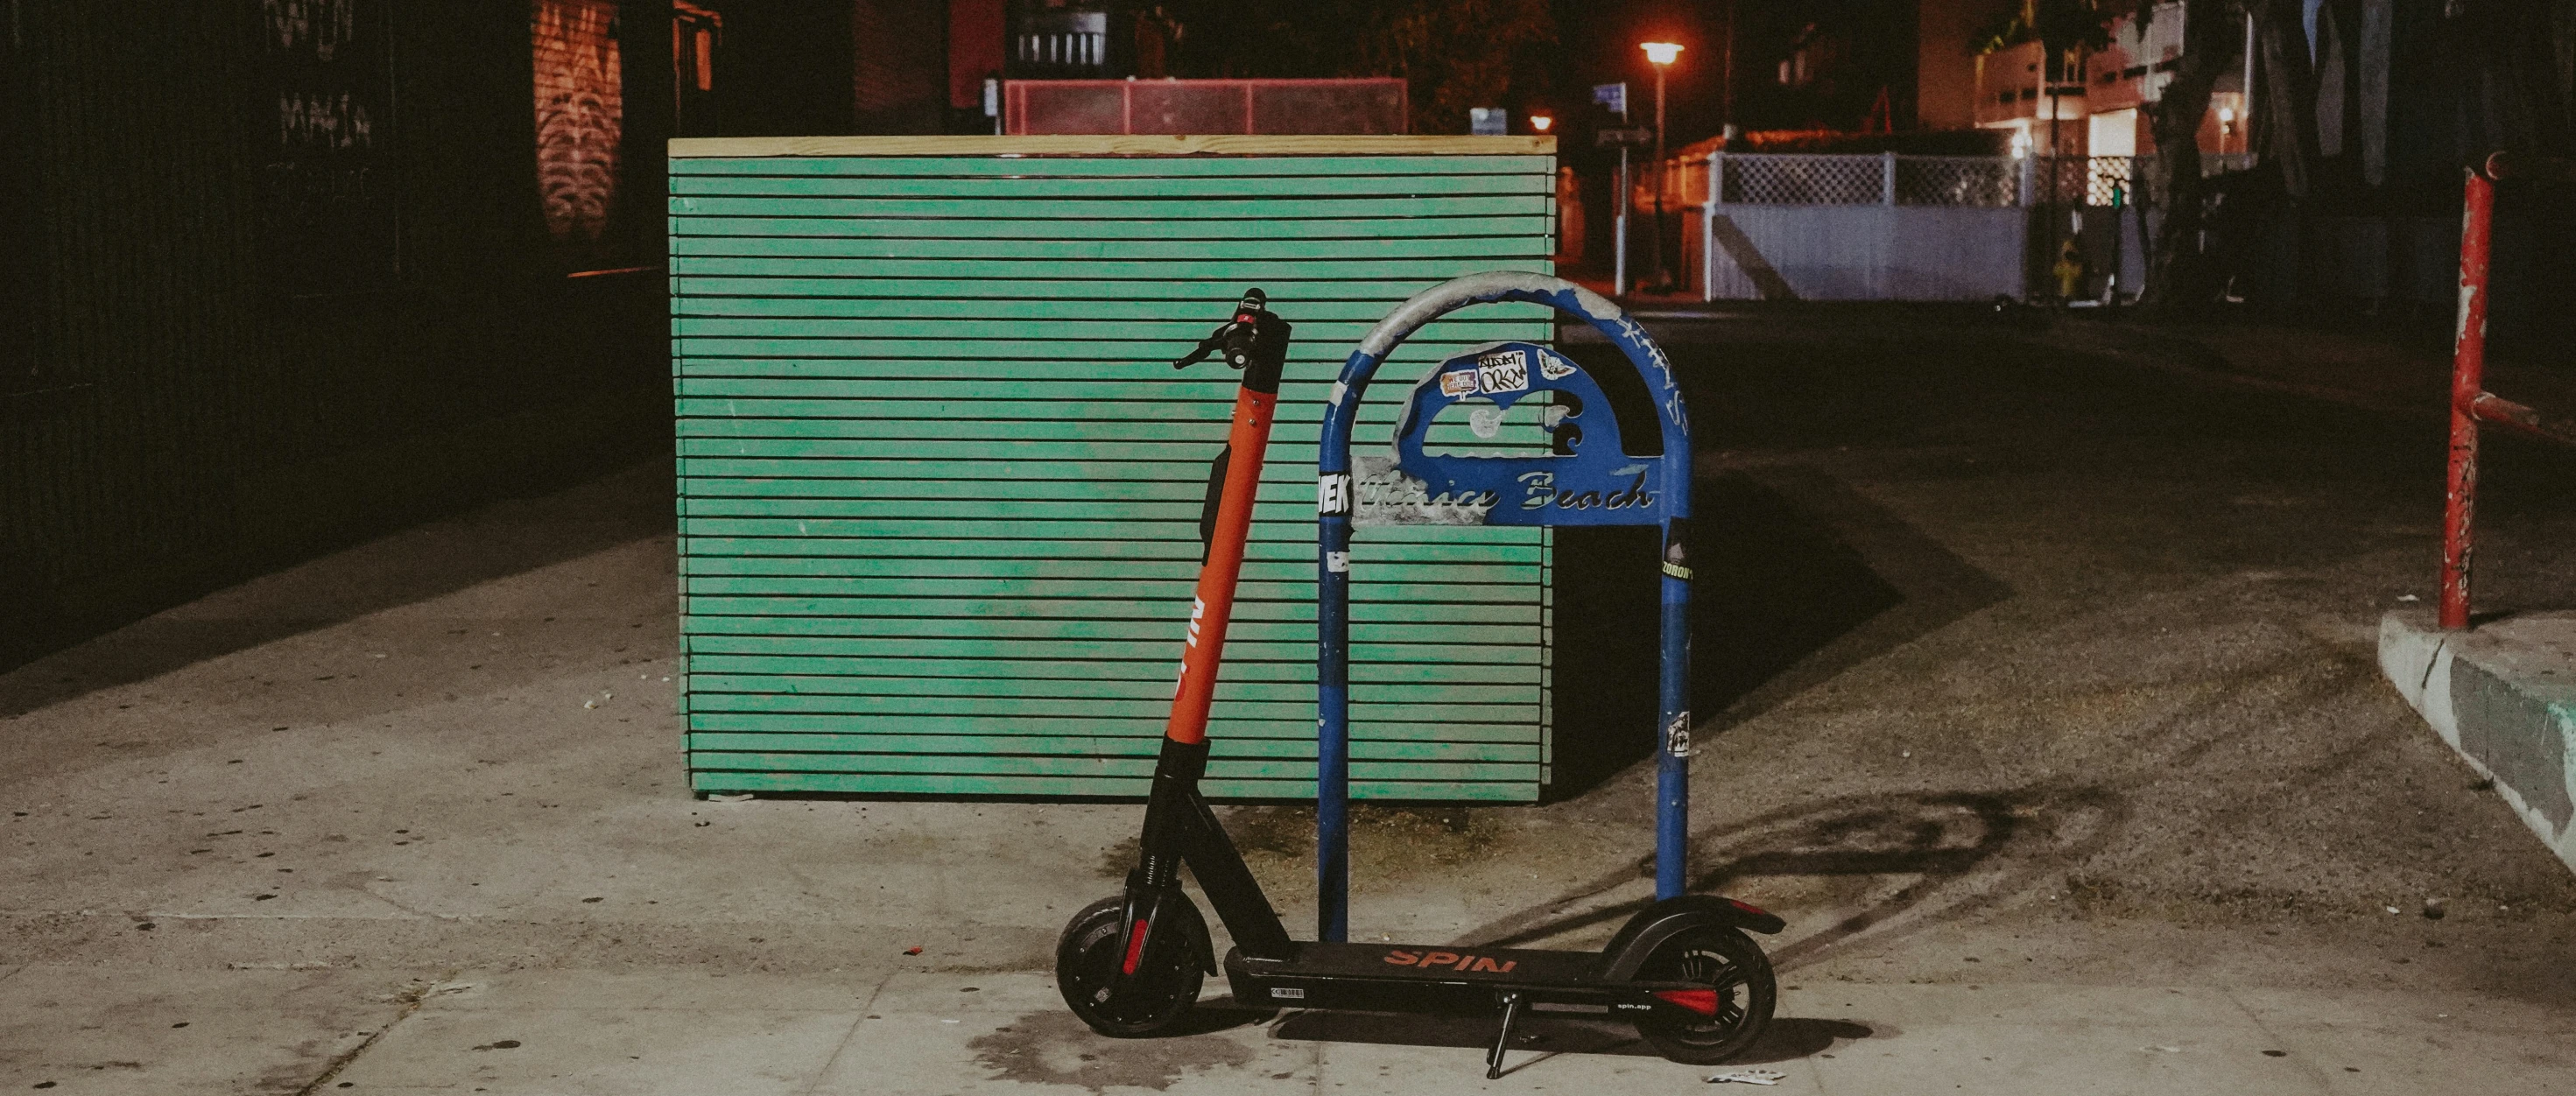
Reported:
(1457, 293)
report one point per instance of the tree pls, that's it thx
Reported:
(2178, 275)
(1453, 54)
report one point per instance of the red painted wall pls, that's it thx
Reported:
(974, 49)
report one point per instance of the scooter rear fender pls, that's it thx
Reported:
(1664, 920)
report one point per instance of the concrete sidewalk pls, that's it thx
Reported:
(2051, 743)
(591, 1033)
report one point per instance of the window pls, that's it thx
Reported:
(697, 37)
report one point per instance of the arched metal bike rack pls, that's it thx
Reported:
(1590, 480)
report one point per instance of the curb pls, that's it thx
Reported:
(2503, 694)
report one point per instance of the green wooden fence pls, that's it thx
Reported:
(940, 487)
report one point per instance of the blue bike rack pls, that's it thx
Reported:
(1591, 481)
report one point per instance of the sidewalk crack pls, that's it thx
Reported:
(824, 1076)
(2315, 1071)
(411, 1003)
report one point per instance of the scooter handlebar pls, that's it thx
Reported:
(1255, 340)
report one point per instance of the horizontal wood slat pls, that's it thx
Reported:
(940, 488)
(1231, 726)
(1288, 272)
(1089, 663)
(688, 233)
(1219, 191)
(1044, 787)
(1088, 746)
(1293, 631)
(1063, 167)
(1154, 152)
(765, 217)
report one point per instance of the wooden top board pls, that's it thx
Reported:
(1259, 144)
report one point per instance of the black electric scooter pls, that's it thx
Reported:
(1682, 970)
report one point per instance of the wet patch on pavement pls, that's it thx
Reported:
(1054, 1048)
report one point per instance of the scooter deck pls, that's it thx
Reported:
(1415, 978)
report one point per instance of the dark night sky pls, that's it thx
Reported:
(1598, 43)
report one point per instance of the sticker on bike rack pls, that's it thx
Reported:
(1677, 735)
(1458, 383)
(1337, 562)
(1584, 477)
(1500, 371)
(1333, 494)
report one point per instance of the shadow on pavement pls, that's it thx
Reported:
(1953, 851)
(496, 541)
(1540, 1037)
(1798, 579)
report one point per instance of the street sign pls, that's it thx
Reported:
(1489, 121)
(1640, 137)
(1613, 96)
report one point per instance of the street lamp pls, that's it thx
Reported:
(1541, 122)
(1662, 55)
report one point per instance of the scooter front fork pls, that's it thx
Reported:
(1154, 886)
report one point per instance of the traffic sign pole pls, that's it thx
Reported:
(1615, 96)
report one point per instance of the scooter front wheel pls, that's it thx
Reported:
(1742, 994)
(1087, 959)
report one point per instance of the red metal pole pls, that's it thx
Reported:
(2468, 383)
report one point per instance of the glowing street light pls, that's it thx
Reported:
(1662, 54)
(1541, 122)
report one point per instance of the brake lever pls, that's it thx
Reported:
(1207, 346)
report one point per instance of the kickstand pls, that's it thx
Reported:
(1502, 1039)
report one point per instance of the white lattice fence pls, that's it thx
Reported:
(1843, 227)
(1795, 179)
(1957, 181)
(1758, 179)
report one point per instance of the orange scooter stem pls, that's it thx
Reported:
(1257, 343)
(1214, 606)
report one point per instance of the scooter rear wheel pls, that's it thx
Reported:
(1087, 958)
(1726, 961)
